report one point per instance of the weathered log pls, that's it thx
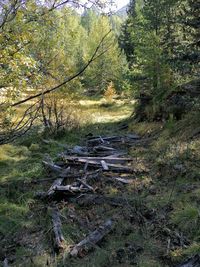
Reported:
(192, 262)
(56, 169)
(57, 228)
(70, 189)
(75, 176)
(97, 164)
(108, 159)
(91, 240)
(86, 185)
(57, 182)
(103, 148)
(52, 167)
(122, 180)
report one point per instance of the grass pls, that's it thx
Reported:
(163, 201)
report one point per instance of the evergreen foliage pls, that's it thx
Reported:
(161, 41)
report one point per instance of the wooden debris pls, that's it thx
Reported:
(70, 189)
(97, 163)
(103, 148)
(78, 150)
(132, 136)
(119, 169)
(123, 181)
(52, 167)
(57, 182)
(86, 166)
(91, 240)
(99, 156)
(56, 169)
(75, 176)
(57, 228)
(98, 140)
(5, 263)
(104, 165)
(102, 140)
(192, 262)
(85, 184)
(108, 159)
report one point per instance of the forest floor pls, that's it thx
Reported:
(159, 224)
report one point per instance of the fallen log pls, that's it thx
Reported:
(57, 229)
(70, 189)
(108, 159)
(103, 148)
(56, 183)
(98, 164)
(192, 262)
(85, 184)
(52, 167)
(123, 181)
(55, 168)
(75, 176)
(91, 240)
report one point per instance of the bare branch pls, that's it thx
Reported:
(93, 57)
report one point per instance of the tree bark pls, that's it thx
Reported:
(91, 240)
(57, 228)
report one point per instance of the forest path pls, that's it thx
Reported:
(143, 203)
(94, 185)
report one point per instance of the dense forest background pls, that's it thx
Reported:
(149, 54)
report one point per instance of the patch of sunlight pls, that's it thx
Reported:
(90, 102)
(117, 102)
(104, 117)
(11, 152)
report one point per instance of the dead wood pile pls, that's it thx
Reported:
(77, 173)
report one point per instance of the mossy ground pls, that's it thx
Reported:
(162, 215)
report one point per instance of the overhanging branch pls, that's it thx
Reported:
(93, 58)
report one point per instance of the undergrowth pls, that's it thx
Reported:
(159, 227)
